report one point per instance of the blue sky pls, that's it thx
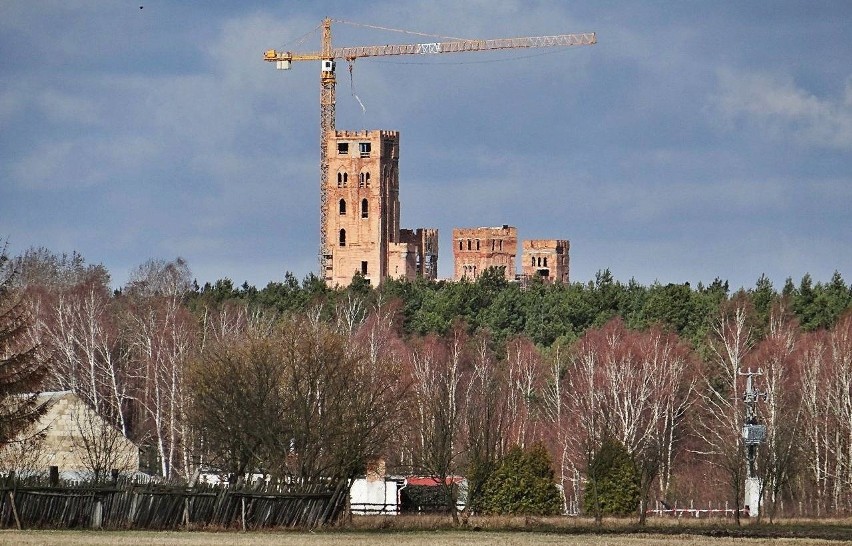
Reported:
(696, 140)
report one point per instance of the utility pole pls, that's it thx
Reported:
(753, 436)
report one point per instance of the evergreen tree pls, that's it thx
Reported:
(522, 484)
(22, 367)
(762, 297)
(613, 482)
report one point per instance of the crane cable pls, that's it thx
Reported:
(301, 38)
(415, 33)
(352, 87)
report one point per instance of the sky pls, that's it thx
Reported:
(696, 140)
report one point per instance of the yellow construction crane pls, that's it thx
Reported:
(327, 55)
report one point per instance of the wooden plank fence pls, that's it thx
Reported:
(163, 507)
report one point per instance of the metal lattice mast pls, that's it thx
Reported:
(327, 100)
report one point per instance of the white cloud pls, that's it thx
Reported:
(775, 105)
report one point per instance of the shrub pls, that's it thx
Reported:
(523, 485)
(613, 485)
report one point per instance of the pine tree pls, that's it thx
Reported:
(22, 368)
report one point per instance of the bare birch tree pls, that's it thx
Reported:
(818, 421)
(840, 400)
(777, 355)
(633, 387)
(525, 385)
(720, 397)
(437, 371)
(485, 418)
(162, 337)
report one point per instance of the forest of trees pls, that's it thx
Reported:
(452, 378)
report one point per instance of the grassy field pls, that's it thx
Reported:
(437, 538)
(406, 530)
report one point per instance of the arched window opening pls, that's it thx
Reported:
(345, 179)
(545, 261)
(477, 244)
(365, 208)
(342, 237)
(339, 180)
(461, 245)
(342, 207)
(367, 179)
(468, 244)
(533, 261)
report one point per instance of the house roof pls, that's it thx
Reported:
(432, 481)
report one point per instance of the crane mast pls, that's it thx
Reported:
(327, 113)
(327, 55)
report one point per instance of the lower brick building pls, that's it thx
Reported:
(545, 258)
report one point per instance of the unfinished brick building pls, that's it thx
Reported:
(477, 249)
(363, 212)
(545, 258)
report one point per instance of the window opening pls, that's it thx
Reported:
(364, 268)
(342, 148)
(364, 148)
(342, 206)
(342, 237)
(365, 208)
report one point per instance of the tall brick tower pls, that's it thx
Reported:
(363, 213)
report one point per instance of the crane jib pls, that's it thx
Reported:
(425, 49)
(455, 46)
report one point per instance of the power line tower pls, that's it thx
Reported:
(753, 435)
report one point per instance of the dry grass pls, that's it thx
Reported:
(501, 531)
(437, 538)
(570, 525)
